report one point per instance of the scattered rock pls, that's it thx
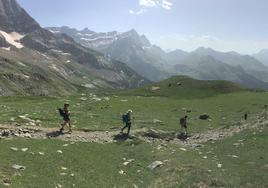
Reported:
(204, 117)
(155, 165)
(155, 88)
(65, 145)
(121, 172)
(24, 149)
(157, 121)
(197, 145)
(18, 167)
(83, 98)
(7, 182)
(41, 153)
(234, 156)
(63, 174)
(64, 168)
(219, 165)
(183, 149)
(128, 161)
(106, 98)
(14, 149)
(59, 151)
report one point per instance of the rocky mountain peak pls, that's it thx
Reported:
(14, 18)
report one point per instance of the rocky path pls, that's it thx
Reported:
(146, 135)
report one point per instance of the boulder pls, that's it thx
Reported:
(18, 167)
(155, 165)
(204, 117)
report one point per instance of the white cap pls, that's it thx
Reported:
(130, 111)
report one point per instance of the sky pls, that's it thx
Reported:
(225, 25)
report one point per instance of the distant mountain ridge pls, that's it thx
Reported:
(155, 64)
(35, 61)
(128, 47)
(262, 56)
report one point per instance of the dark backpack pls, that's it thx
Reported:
(125, 118)
(61, 112)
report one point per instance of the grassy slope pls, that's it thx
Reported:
(191, 169)
(98, 165)
(103, 115)
(185, 87)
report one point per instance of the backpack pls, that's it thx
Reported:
(61, 112)
(125, 118)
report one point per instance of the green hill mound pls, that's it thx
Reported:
(186, 87)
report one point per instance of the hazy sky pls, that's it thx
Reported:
(225, 25)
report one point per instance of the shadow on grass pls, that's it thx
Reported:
(54, 134)
(183, 136)
(122, 137)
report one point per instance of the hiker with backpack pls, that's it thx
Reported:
(65, 113)
(126, 118)
(183, 122)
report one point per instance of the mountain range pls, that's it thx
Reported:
(155, 64)
(262, 56)
(35, 61)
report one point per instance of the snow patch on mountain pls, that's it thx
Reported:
(6, 48)
(13, 38)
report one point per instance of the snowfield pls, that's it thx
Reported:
(13, 38)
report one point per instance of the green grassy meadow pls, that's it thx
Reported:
(238, 161)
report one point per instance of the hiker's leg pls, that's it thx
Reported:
(124, 127)
(62, 127)
(128, 130)
(70, 126)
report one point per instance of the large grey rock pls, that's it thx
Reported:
(155, 165)
(18, 167)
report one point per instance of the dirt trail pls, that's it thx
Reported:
(224, 132)
(146, 135)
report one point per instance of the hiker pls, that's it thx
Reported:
(127, 121)
(65, 113)
(183, 122)
(246, 116)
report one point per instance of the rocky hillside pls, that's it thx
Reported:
(38, 62)
(129, 47)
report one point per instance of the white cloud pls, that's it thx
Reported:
(147, 4)
(131, 12)
(192, 42)
(141, 11)
(166, 4)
